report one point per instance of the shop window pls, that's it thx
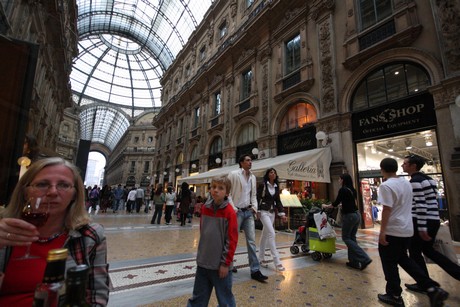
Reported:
(389, 83)
(298, 116)
(373, 11)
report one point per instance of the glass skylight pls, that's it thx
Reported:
(124, 48)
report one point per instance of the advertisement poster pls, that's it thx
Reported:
(367, 210)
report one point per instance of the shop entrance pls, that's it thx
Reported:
(370, 153)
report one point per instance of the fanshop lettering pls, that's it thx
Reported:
(389, 115)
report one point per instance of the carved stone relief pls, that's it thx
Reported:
(327, 69)
(449, 19)
(264, 126)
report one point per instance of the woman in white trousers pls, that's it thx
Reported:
(268, 195)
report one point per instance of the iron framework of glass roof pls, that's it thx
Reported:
(124, 48)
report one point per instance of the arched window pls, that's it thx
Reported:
(246, 140)
(215, 153)
(216, 146)
(247, 134)
(298, 116)
(389, 83)
(194, 160)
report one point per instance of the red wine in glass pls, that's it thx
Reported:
(36, 218)
(33, 214)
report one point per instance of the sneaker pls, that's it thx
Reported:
(415, 288)
(235, 270)
(391, 300)
(257, 275)
(437, 297)
(280, 268)
(263, 263)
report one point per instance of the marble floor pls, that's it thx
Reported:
(154, 265)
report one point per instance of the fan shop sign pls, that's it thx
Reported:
(401, 117)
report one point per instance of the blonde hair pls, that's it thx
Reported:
(224, 181)
(76, 215)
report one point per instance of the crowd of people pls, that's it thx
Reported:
(409, 225)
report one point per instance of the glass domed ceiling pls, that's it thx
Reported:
(124, 48)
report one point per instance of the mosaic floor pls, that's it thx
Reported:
(154, 265)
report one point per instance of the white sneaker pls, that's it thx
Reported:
(263, 263)
(280, 268)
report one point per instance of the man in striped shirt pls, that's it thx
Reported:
(425, 216)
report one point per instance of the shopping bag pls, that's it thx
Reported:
(325, 229)
(338, 218)
(443, 243)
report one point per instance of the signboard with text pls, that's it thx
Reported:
(410, 114)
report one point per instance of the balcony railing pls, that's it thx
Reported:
(386, 30)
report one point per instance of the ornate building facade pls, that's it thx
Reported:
(131, 162)
(38, 43)
(271, 75)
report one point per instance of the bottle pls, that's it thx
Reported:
(77, 278)
(52, 288)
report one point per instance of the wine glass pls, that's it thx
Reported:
(35, 214)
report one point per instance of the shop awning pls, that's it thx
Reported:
(310, 165)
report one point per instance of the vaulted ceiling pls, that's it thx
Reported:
(125, 46)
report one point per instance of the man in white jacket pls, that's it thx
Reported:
(243, 196)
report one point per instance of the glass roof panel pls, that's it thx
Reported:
(124, 48)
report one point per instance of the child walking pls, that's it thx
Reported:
(218, 240)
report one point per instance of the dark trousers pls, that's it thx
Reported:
(138, 204)
(129, 205)
(396, 253)
(419, 246)
(183, 217)
(157, 214)
(168, 212)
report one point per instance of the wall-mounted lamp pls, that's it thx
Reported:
(155, 175)
(255, 152)
(390, 146)
(408, 143)
(193, 165)
(428, 140)
(218, 160)
(177, 170)
(165, 173)
(323, 138)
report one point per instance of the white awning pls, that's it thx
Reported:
(310, 165)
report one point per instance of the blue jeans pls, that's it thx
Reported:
(205, 280)
(157, 214)
(350, 224)
(246, 223)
